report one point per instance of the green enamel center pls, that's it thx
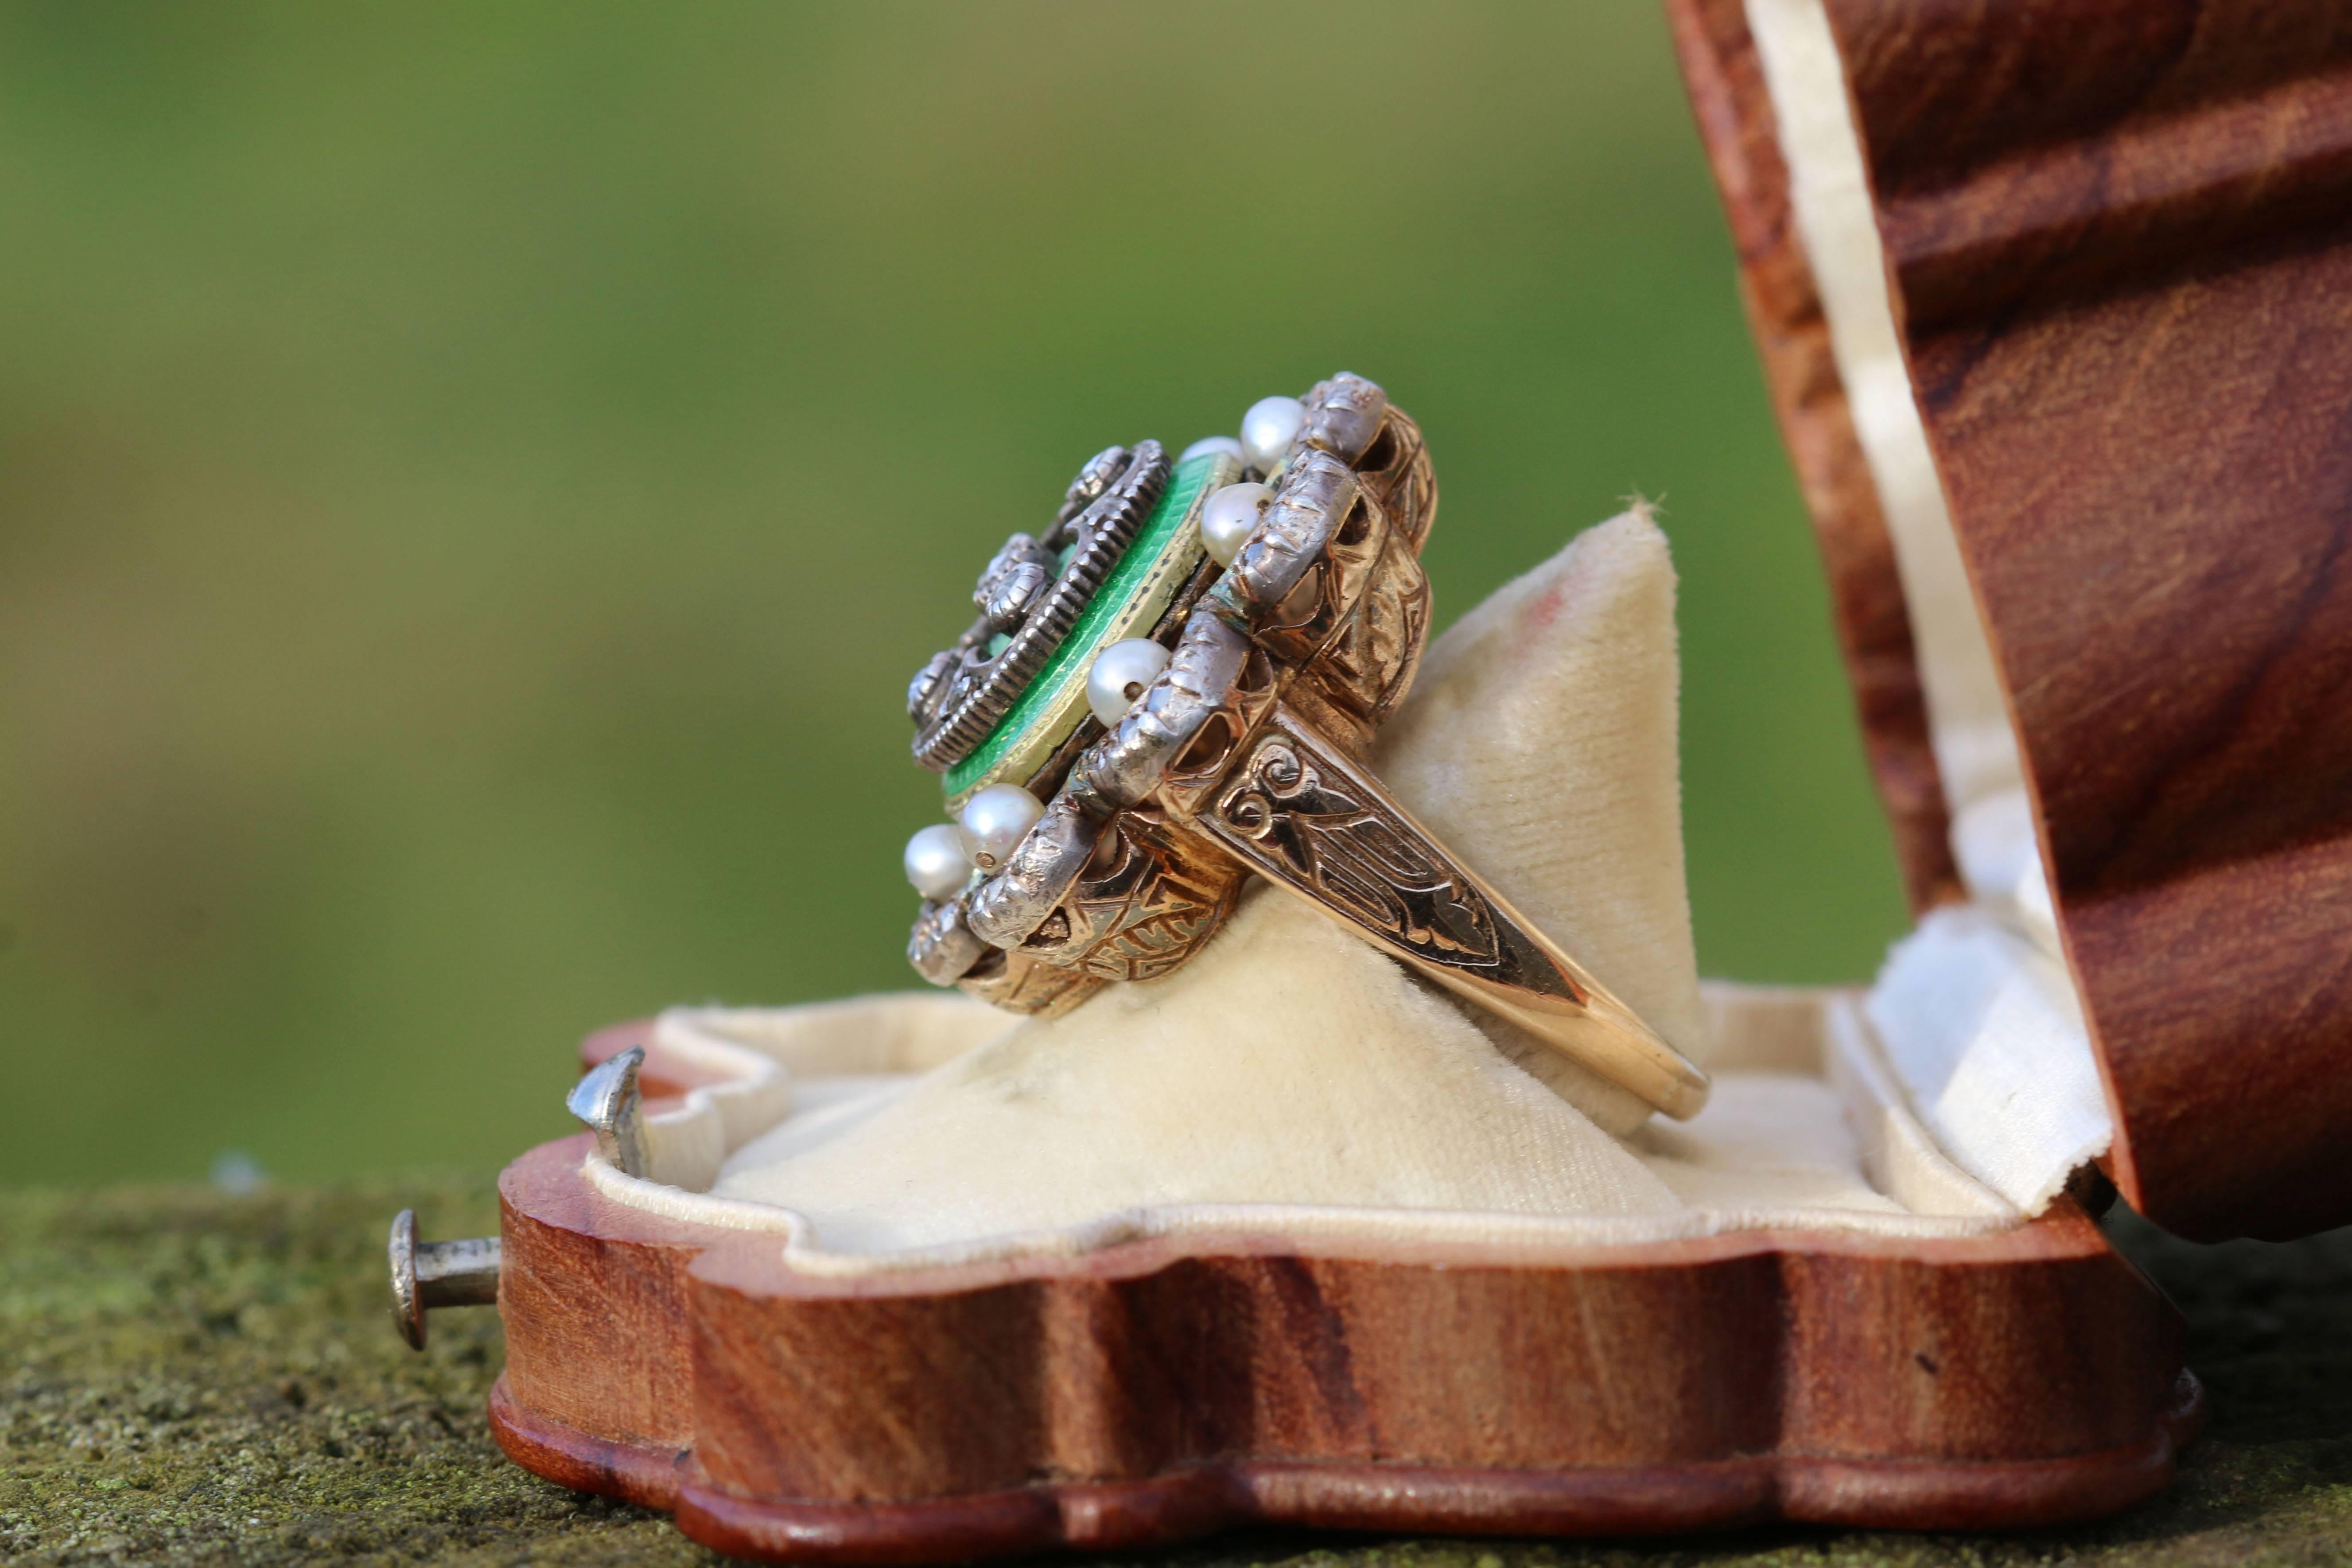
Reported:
(1160, 558)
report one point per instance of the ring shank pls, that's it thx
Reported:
(1301, 812)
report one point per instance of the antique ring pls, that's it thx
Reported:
(1175, 685)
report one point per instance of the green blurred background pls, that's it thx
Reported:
(478, 478)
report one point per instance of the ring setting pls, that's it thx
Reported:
(1174, 687)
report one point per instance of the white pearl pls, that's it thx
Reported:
(1229, 519)
(1208, 444)
(1119, 675)
(1268, 429)
(995, 821)
(936, 864)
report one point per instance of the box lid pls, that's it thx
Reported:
(2116, 252)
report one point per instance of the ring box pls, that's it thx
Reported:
(2104, 466)
(2112, 258)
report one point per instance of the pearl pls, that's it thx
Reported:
(936, 864)
(1120, 674)
(1229, 519)
(995, 821)
(1268, 429)
(1208, 444)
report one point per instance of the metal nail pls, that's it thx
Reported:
(606, 1099)
(429, 1274)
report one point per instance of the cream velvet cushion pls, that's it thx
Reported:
(1292, 1065)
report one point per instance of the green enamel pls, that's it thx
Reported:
(1136, 595)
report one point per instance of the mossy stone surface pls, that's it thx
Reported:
(190, 1377)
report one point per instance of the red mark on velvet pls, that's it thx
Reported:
(1539, 615)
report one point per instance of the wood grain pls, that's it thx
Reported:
(1162, 1390)
(585, 1284)
(1784, 311)
(2119, 234)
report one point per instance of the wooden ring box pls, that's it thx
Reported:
(2136, 414)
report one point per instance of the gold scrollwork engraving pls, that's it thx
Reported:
(1312, 828)
(1158, 898)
